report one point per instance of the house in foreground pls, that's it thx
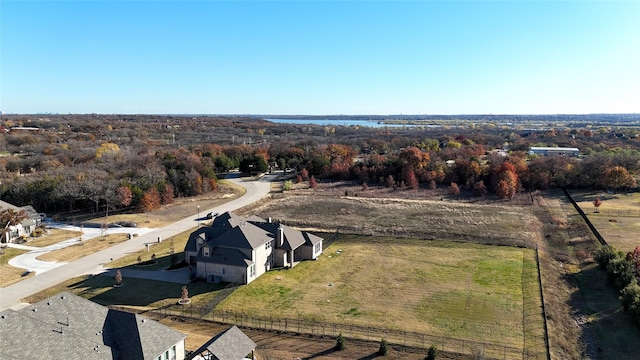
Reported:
(9, 232)
(238, 249)
(66, 326)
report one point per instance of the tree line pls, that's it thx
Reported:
(116, 162)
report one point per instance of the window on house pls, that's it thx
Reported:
(173, 353)
(252, 270)
(318, 247)
(205, 251)
(166, 355)
(222, 271)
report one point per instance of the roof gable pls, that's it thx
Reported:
(231, 344)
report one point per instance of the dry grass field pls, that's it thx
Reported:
(9, 273)
(618, 218)
(161, 250)
(423, 219)
(441, 288)
(83, 248)
(52, 236)
(180, 208)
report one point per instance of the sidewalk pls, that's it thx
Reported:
(10, 296)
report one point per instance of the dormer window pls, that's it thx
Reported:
(205, 251)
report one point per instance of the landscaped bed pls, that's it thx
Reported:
(440, 288)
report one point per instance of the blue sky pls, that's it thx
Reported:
(320, 57)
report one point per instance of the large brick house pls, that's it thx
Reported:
(238, 249)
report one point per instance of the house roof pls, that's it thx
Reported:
(310, 239)
(246, 236)
(225, 256)
(293, 238)
(66, 326)
(231, 344)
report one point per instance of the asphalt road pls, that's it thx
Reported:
(93, 264)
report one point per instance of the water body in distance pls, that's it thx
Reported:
(327, 122)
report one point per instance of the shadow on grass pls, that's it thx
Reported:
(611, 333)
(161, 262)
(141, 292)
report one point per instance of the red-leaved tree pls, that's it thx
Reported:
(597, 202)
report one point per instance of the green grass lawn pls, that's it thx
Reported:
(138, 293)
(441, 288)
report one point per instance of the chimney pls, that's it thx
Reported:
(269, 220)
(280, 236)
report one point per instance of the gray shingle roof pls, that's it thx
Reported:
(66, 326)
(226, 256)
(231, 344)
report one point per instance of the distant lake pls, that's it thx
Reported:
(325, 122)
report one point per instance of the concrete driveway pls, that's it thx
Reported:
(29, 262)
(93, 264)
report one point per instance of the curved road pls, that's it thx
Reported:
(10, 296)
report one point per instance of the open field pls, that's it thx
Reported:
(11, 274)
(441, 288)
(52, 236)
(423, 219)
(83, 248)
(618, 218)
(585, 318)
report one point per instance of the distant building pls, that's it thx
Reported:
(558, 151)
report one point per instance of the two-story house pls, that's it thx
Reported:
(238, 249)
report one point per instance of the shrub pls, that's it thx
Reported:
(340, 343)
(630, 298)
(621, 272)
(604, 255)
(288, 185)
(432, 353)
(382, 351)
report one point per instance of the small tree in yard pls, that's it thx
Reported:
(432, 353)
(382, 351)
(118, 277)
(340, 344)
(597, 202)
(312, 182)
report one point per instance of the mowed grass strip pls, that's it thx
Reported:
(441, 288)
(53, 236)
(83, 248)
(141, 294)
(618, 217)
(9, 273)
(161, 250)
